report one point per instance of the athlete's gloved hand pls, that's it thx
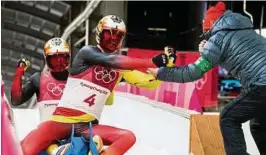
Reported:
(166, 59)
(23, 62)
(160, 60)
(171, 53)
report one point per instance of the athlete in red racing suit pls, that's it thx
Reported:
(47, 85)
(93, 76)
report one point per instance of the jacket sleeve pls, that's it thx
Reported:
(210, 57)
(20, 93)
(92, 57)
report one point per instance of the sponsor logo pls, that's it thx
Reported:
(94, 88)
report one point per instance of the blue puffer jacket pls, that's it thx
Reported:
(234, 46)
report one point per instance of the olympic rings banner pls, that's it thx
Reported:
(192, 95)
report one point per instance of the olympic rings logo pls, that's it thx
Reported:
(201, 82)
(105, 75)
(55, 89)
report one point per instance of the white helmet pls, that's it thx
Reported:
(57, 54)
(114, 26)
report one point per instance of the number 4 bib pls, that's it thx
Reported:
(84, 96)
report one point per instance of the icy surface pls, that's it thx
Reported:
(158, 131)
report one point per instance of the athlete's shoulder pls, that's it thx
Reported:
(83, 59)
(89, 49)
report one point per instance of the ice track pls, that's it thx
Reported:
(160, 130)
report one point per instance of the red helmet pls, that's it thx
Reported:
(110, 33)
(57, 54)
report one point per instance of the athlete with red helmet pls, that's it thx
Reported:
(95, 72)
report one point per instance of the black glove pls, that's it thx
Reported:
(171, 53)
(23, 62)
(160, 60)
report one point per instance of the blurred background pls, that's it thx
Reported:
(27, 25)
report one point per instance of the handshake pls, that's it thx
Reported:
(166, 59)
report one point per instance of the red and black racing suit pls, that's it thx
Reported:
(87, 60)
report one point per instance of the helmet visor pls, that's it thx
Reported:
(112, 39)
(58, 62)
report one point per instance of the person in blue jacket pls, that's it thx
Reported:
(234, 45)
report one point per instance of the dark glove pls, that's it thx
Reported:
(23, 62)
(160, 60)
(171, 53)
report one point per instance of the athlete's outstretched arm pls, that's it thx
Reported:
(94, 56)
(20, 94)
(210, 56)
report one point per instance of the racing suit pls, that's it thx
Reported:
(47, 85)
(93, 77)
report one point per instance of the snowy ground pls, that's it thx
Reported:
(159, 130)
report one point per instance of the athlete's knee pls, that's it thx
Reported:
(27, 149)
(129, 135)
(45, 125)
(35, 141)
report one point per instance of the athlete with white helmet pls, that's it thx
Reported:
(95, 72)
(47, 85)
